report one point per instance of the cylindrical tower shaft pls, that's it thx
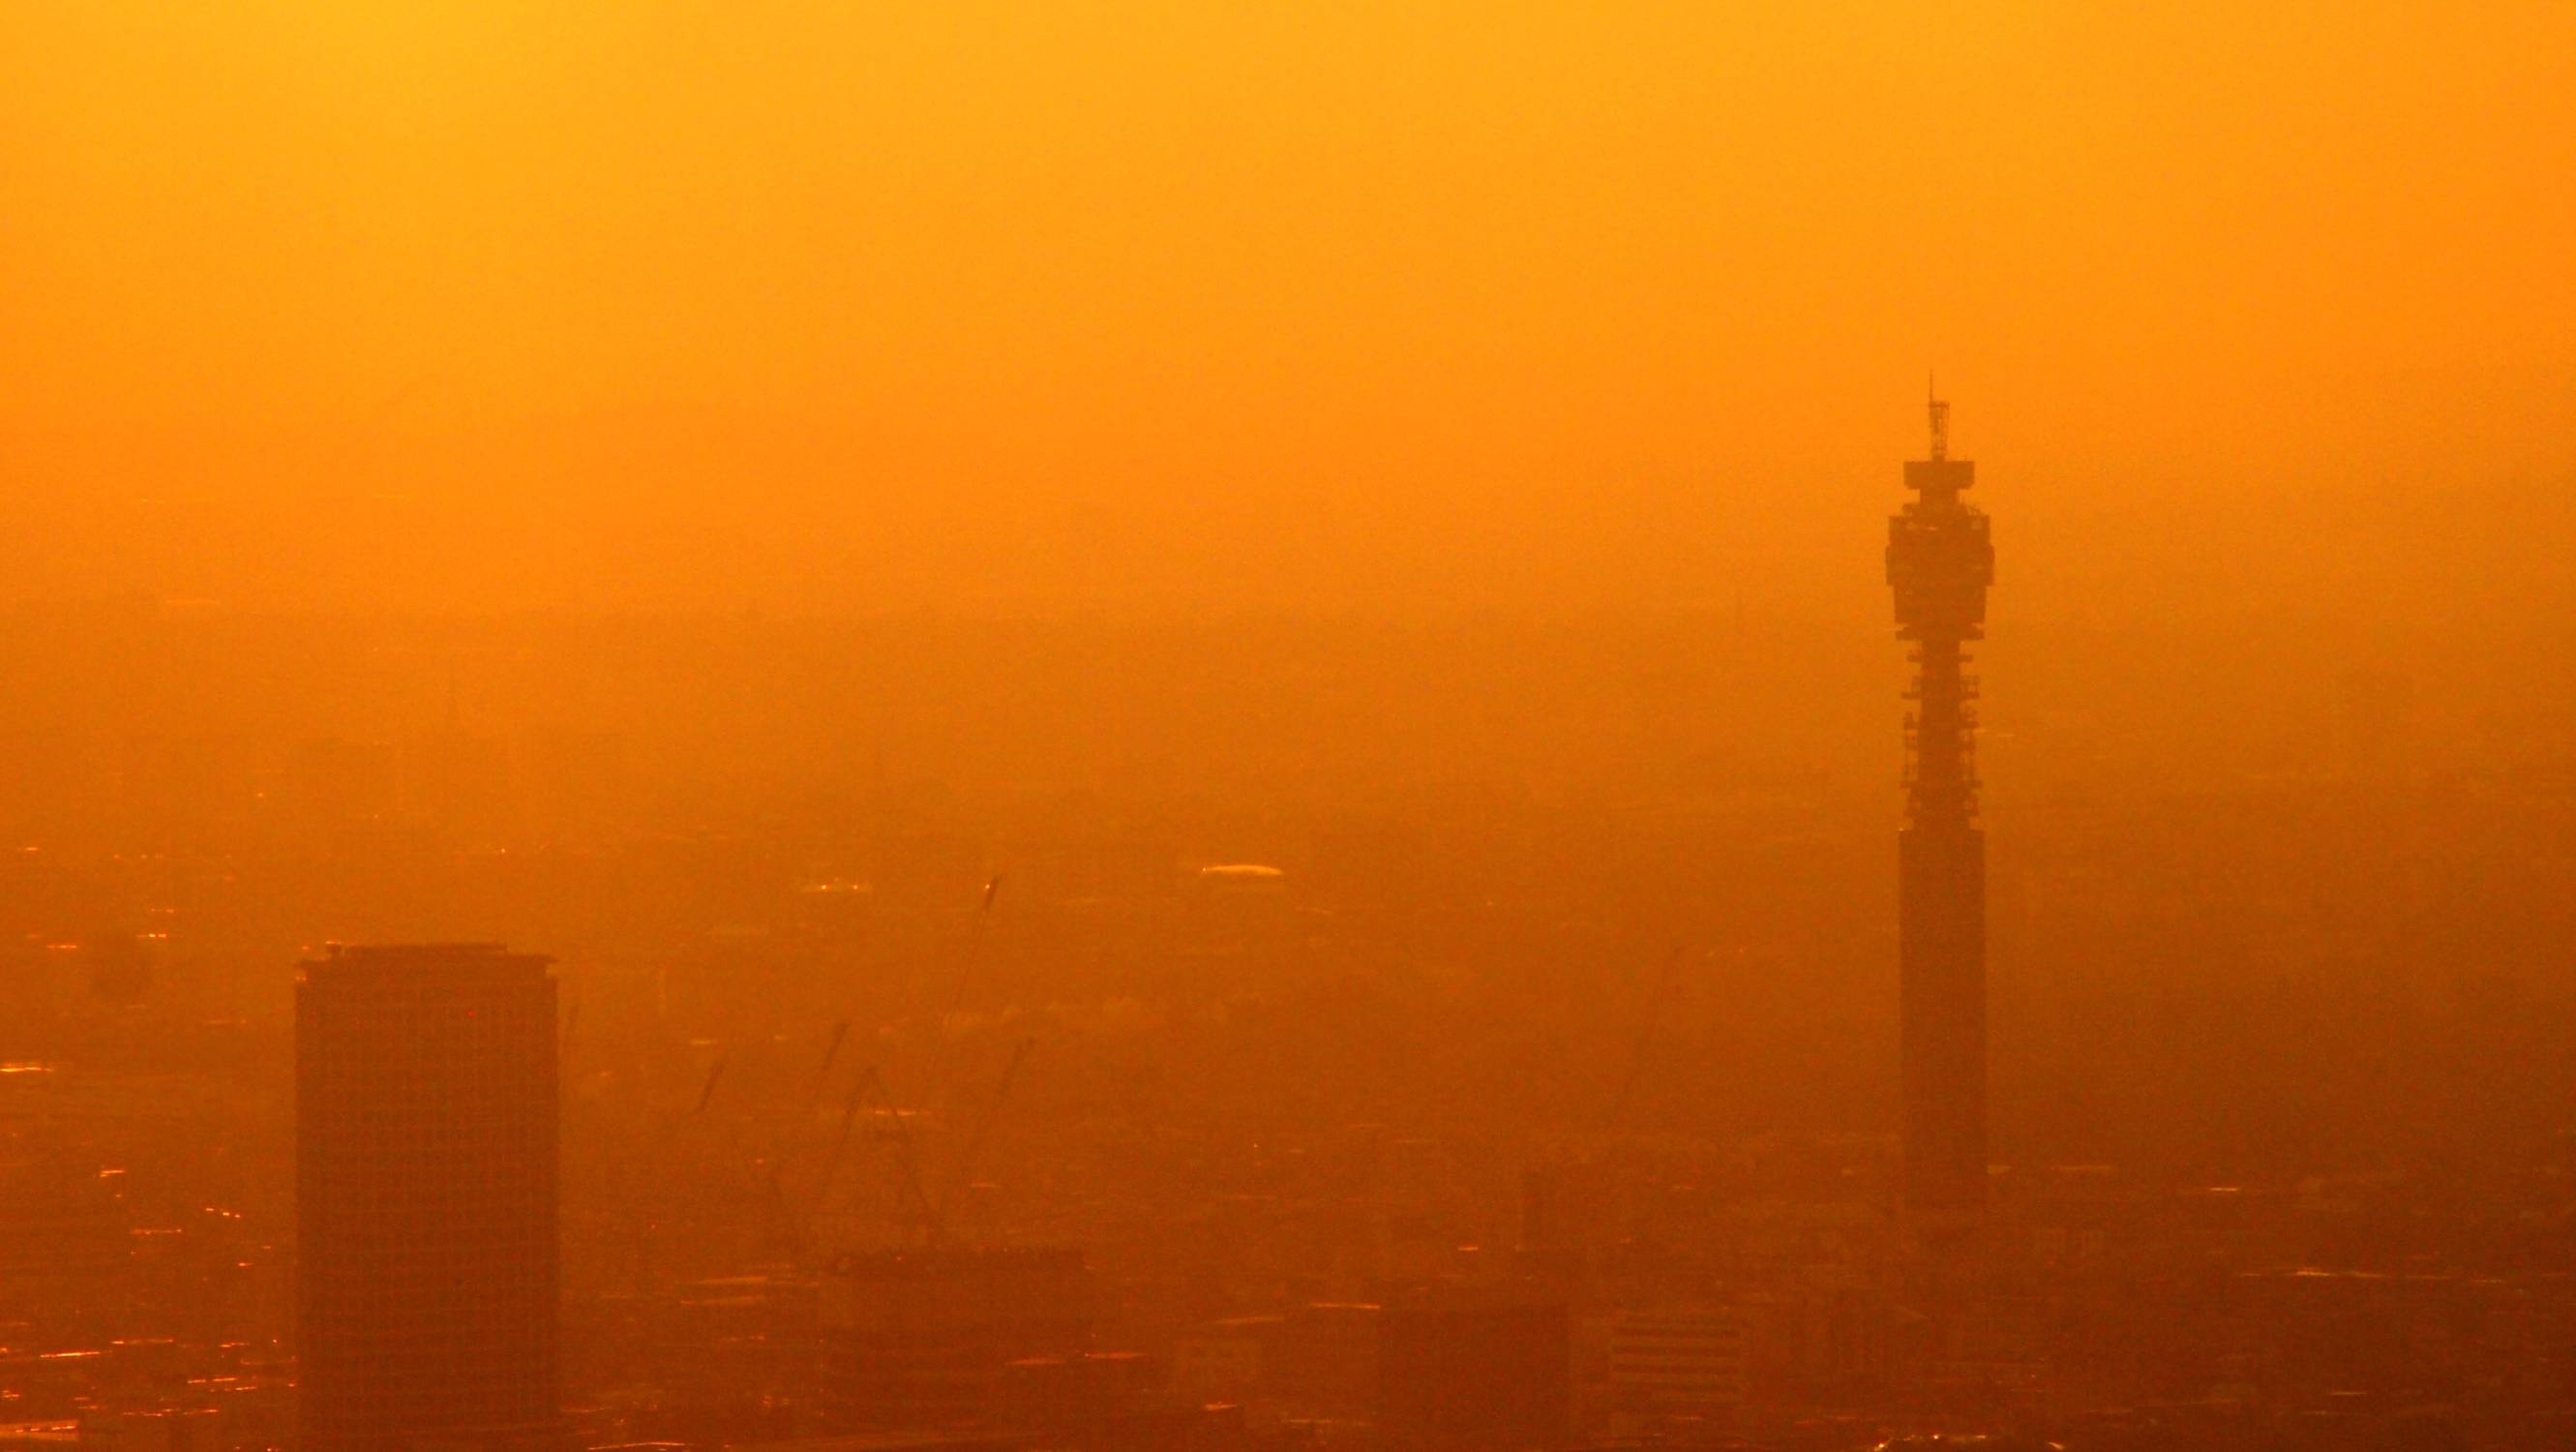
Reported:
(1940, 560)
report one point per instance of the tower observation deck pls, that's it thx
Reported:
(1939, 562)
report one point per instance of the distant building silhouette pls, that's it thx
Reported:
(426, 1198)
(916, 1338)
(1475, 1367)
(1682, 1362)
(1940, 561)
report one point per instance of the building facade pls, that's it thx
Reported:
(428, 1262)
(1677, 1363)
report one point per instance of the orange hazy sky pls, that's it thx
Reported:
(1302, 305)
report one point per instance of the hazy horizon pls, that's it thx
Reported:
(479, 306)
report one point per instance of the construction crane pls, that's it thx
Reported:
(959, 1174)
(923, 1215)
(866, 1088)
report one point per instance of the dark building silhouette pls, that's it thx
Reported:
(1940, 561)
(922, 1337)
(1486, 1369)
(426, 1190)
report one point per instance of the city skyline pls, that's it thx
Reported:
(968, 726)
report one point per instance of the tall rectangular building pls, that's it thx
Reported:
(426, 1198)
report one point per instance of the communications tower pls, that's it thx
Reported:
(1940, 561)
